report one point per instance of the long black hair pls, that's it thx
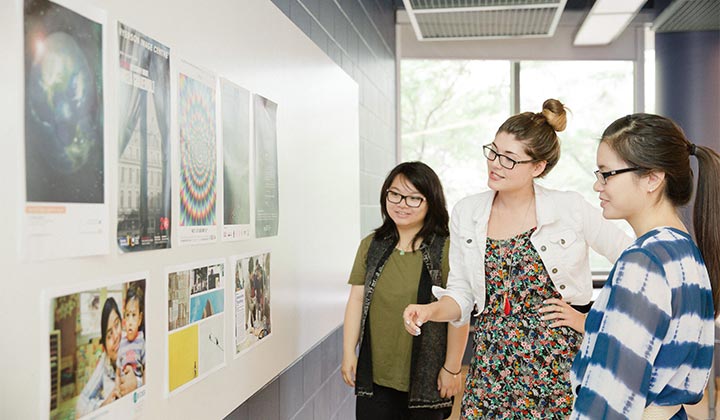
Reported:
(108, 308)
(426, 181)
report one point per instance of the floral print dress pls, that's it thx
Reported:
(520, 367)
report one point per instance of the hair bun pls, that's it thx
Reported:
(554, 113)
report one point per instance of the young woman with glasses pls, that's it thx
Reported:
(519, 253)
(395, 375)
(649, 336)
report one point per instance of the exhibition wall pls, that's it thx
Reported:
(314, 107)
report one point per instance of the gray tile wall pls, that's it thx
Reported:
(359, 35)
(311, 389)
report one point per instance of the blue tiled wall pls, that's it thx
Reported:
(359, 35)
(310, 389)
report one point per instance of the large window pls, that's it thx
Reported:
(596, 92)
(449, 109)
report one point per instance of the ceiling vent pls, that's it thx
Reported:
(689, 15)
(436, 20)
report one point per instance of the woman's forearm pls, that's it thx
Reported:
(456, 342)
(444, 310)
(351, 325)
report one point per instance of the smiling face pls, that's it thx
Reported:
(132, 319)
(113, 334)
(404, 216)
(522, 175)
(623, 195)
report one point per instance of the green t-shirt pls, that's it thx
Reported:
(397, 287)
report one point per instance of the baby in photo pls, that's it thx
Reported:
(132, 347)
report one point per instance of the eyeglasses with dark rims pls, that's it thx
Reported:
(603, 176)
(410, 200)
(505, 161)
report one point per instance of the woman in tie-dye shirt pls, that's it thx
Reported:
(648, 341)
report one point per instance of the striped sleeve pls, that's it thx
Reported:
(624, 340)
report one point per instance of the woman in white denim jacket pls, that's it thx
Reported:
(521, 269)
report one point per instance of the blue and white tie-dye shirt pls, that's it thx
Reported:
(649, 335)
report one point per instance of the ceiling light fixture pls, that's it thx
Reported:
(606, 21)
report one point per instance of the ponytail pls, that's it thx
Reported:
(706, 215)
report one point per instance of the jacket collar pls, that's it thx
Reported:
(544, 207)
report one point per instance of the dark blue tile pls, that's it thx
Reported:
(347, 409)
(313, 6)
(307, 412)
(283, 5)
(240, 413)
(321, 401)
(264, 405)
(291, 396)
(352, 45)
(339, 32)
(346, 6)
(333, 51)
(347, 65)
(330, 356)
(339, 342)
(312, 377)
(327, 14)
(338, 390)
(300, 17)
(318, 35)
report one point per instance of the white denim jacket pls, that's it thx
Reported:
(566, 225)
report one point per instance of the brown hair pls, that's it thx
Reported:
(537, 131)
(656, 143)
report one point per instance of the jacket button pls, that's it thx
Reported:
(543, 248)
(562, 241)
(469, 241)
(554, 270)
(562, 287)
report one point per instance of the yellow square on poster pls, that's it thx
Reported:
(183, 356)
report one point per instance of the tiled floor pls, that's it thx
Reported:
(695, 412)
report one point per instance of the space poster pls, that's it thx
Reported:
(65, 212)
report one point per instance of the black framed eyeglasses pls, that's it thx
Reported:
(603, 176)
(410, 200)
(505, 161)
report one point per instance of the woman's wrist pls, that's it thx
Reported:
(454, 374)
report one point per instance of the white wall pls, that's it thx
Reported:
(254, 45)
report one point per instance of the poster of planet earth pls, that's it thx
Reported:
(63, 105)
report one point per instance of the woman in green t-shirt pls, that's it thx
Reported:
(397, 376)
